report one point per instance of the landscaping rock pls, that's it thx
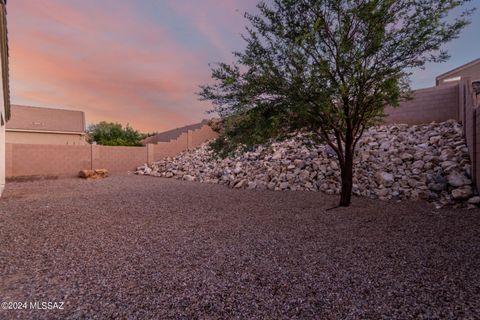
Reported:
(100, 173)
(88, 173)
(398, 161)
(456, 179)
(384, 178)
(462, 193)
(474, 200)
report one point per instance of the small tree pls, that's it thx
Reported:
(328, 66)
(114, 134)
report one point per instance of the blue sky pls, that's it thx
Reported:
(462, 50)
(141, 62)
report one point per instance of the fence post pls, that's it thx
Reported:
(461, 103)
(474, 159)
(189, 139)
(150, 152)
(95, 156)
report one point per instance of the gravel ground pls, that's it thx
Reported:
(134, 247)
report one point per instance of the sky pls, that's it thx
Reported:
(141, 61)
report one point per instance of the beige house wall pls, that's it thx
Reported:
(2, 137)
(2, 154)
(25, 137)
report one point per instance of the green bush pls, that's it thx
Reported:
(114, 134)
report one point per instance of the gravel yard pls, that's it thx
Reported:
(134, 247)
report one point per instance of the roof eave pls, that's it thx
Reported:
(457, 69)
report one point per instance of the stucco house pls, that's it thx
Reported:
(469, 70)
(5, 99)
(35, 125)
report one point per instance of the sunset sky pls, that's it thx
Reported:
(141, 62)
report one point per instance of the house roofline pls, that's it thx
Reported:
(49, 108)
(462, 67)
(46, 131)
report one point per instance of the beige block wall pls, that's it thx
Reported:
(431, 104)
(67, 160)
(185, 141)
(202, 135)
(45, 138)
(118, 159)
(46, 160)
(172, 148)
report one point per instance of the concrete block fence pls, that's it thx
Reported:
(431, 104)
(27, 160)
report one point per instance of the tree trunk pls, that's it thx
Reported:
(347, 178)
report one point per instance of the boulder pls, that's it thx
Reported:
(462, 193)
(94, 174)
(384, 178)
(456, 179)
(474, 200)
(188, 177)
(86, 173)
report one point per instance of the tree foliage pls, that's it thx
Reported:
(114, 134)
(327, 66)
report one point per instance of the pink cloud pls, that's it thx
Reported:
(214, 17)
(109, 61)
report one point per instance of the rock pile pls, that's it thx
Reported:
(428, 162)
(93, 174)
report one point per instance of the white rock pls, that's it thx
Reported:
(455, 179)
(277, 156)
(241, 184)
(418, 164)
(384, 178)
(462, 193)
(188, 178)
(406, 162)
(474, 200)
(406, 156)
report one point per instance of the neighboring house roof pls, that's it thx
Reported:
(4, 60)
(46, 119)
(462, 67)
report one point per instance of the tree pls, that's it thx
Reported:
(329, 67)
(114, 134)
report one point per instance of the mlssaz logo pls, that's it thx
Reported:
(44, 305)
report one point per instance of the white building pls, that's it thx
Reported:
(4, 89)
